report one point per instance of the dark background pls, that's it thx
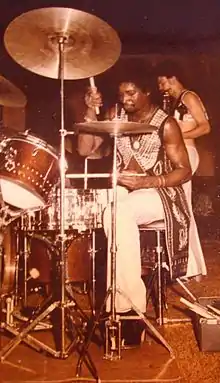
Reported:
(150, 31)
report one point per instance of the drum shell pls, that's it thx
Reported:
(83, 210)
(44, 256)
(8, 260)
(31, 164)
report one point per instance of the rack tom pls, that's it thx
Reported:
(29, 169)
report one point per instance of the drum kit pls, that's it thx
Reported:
(63, 44)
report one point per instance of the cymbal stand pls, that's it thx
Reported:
(113, 325)
(62, 300)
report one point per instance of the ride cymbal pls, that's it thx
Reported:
(90, 45)
(10, 95)
(114, 127)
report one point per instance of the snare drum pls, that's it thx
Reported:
(29, 169)
(83, 209)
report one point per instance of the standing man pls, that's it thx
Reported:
(160, 157)
(189, 112)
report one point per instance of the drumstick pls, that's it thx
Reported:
(92, 84)
(198, 309)
(102, 175)
(187, 290)
(93, 175)
(133, 174)
(214, 309)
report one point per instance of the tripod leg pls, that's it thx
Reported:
(23, 334)
(150, 293)
(79, 332)
(85, 347)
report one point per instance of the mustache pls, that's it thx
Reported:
(129, 104)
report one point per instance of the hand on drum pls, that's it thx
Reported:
(131, 180)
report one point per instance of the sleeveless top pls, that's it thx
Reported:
(180, 110)
(152, 159)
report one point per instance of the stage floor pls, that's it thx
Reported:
(151, 362)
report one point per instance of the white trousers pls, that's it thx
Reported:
(196, 262)
(138, 207)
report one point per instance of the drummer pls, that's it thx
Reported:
(151, 170)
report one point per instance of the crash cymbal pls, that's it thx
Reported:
(91, 46)
(114, 127)
(10, 95)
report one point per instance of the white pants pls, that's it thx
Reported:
(139, 207)
(196, 262)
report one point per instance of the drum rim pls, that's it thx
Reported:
(34, 139)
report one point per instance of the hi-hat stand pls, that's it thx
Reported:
(113, 323)
(60, 305)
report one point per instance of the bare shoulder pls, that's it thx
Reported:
(171, 125)
(172, 130)
(190, 98)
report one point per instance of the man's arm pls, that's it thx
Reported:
(88, 144)
(198, 112)
(176, 152)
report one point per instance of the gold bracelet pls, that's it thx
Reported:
(163, 181)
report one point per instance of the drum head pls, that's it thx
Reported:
(19, 196)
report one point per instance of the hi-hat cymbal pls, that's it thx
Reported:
(10, 95)
(114, 127)
(90, 46)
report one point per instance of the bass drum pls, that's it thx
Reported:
(8, 260)
(44, 254)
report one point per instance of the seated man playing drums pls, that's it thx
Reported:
(152, 167)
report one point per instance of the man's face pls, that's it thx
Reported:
(132, 97)
(166, 84)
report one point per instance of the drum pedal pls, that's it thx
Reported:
(113, 339)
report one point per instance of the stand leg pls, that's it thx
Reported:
(21, 336)
(50, 306)
(94, 324)
(148, 323)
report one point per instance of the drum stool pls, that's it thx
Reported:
(159, 270)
